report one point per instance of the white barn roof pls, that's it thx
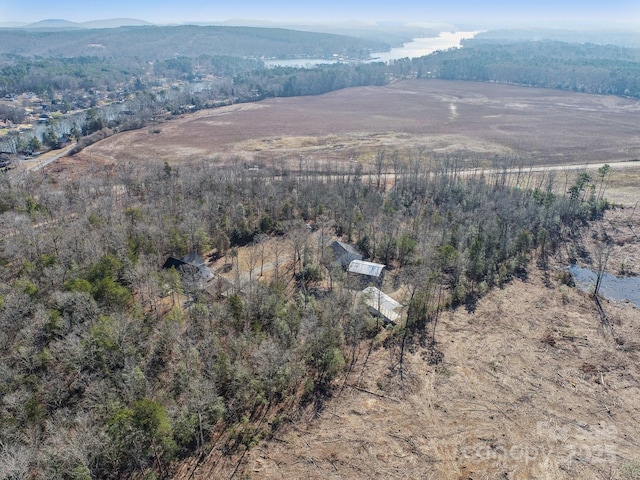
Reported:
(382, 303)
(366, 268)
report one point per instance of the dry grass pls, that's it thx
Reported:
(475, 121)
(504, 404)
(624, 186)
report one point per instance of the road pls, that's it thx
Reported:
(41, 161)
(47, 158)
(584, 166)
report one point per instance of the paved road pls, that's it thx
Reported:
(38, 163)
(47, 158)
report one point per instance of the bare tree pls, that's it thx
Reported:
(298, 236)
(251, 260)
(278, 250)
(603, 250)
(15, 461)
(324, 224)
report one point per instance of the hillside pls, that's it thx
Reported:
(531, 385)
(579, 67)
(162, 42)
(628, 37)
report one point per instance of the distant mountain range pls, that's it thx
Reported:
(60, 24)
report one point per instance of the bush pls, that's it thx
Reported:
(565, 278)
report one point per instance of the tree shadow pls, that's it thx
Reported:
(471, 302)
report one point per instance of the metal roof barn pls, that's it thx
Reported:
(366, 268)
(382, 304)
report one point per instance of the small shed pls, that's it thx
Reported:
(382, 305)
(344, 254)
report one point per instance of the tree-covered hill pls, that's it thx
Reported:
(153, 43)
(621, 37)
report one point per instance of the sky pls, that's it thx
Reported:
(505, 12)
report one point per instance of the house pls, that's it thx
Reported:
(366, 272)
(382, 305)
(192, 267)
(344, 253)
(64, 141)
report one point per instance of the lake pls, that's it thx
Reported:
(418, 47)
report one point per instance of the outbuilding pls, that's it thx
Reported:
(344, 254)
(191, 267)
(382, 305)
(367, 273)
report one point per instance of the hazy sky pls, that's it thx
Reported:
(540, 12)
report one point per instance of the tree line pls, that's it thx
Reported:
(587, 68)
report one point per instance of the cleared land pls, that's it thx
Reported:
(528, 389)
(532, 385)
(475, 121)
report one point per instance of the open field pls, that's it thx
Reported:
(475, 121)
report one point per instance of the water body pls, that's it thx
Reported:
(418, 47)
(611, 287)
(65, 123)
(301, 62)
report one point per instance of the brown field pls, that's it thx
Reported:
(473, 120)
(528, 389)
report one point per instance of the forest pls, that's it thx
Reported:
(589, 68)
(159, 43)
(111, 365)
